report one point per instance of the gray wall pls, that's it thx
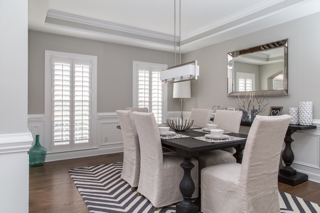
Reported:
(247, 68)
(303, 68)
(114, 68)
(266, 71)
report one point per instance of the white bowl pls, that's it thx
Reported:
(163, 130)
(212, 126)
(216, 132)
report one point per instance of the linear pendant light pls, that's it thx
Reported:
(183, 72)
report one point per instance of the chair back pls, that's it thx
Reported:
(150, 142)
(229, 121)
(260, 164)
(200, 117)
(131, 150)
(135, 109)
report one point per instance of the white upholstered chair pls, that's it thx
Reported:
(160, 174)
(136, 109)
(200, 117)
(253, 185)
(229, 121)
(131, 151)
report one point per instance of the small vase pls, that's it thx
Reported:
(245, 117)
(305, 113)
(294, 113)
(253, 114)
(37, 154)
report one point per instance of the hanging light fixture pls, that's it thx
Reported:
(183, 72)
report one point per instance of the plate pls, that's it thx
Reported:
(222, 137)
(205, 129)
(168, 133)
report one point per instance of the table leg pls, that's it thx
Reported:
(239, 153)
(187, 188)
(288, 174)
(287, 155)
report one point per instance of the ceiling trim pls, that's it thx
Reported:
(236, 23)
(248, 11)
(53, 14)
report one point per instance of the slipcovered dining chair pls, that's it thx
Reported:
(136, 109)
(131, 151)
(200, 117)
(253, 185)
(160, 174)
(229, 121)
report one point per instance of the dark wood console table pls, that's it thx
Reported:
(287, 174)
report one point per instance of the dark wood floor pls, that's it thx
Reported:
(52, 190)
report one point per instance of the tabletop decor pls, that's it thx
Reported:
(37, 154)
(179, 124)
(294, 113)
(253, 103)
(275, 110)
(305, 113)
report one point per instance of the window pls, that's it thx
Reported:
(245, 81)
(72, 101)
(148, 90)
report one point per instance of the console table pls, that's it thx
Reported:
(287, 174)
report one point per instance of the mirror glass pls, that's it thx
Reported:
(261, 69)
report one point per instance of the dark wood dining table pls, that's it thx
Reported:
(189, 148)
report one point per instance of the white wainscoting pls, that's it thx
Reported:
(108, 139)
(306, 148)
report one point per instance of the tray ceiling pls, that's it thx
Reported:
(150, 24)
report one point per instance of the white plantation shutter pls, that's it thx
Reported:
(143, 88)
(71, 94)
(245, 81)
(150, 90)
(157, 96)
(61, 101)
(81, 103)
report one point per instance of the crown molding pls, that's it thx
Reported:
(240, 14)
(108, 25)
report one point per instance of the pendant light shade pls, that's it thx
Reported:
(182, 90)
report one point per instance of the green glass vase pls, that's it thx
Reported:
(37, 154)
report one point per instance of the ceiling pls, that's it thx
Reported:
(150, 23)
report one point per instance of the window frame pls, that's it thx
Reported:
(136, 64)
(49, 101)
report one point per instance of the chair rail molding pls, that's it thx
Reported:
(108, 139)
(14, 143)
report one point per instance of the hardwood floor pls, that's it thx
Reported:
(52, 190)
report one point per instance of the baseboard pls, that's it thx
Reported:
(82, 153)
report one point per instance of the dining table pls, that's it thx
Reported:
(191, 143)
(191, 147)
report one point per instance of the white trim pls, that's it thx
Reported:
(177, 114)
(48, 89)
(108, 25)
(107, 115)
(84, 153)
(233, 17)
(36, 118)
(14, 143)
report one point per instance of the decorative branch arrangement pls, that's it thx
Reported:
(253, 102)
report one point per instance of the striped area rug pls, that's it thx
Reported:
(102, 190)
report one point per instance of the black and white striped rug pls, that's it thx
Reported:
(102, 190)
